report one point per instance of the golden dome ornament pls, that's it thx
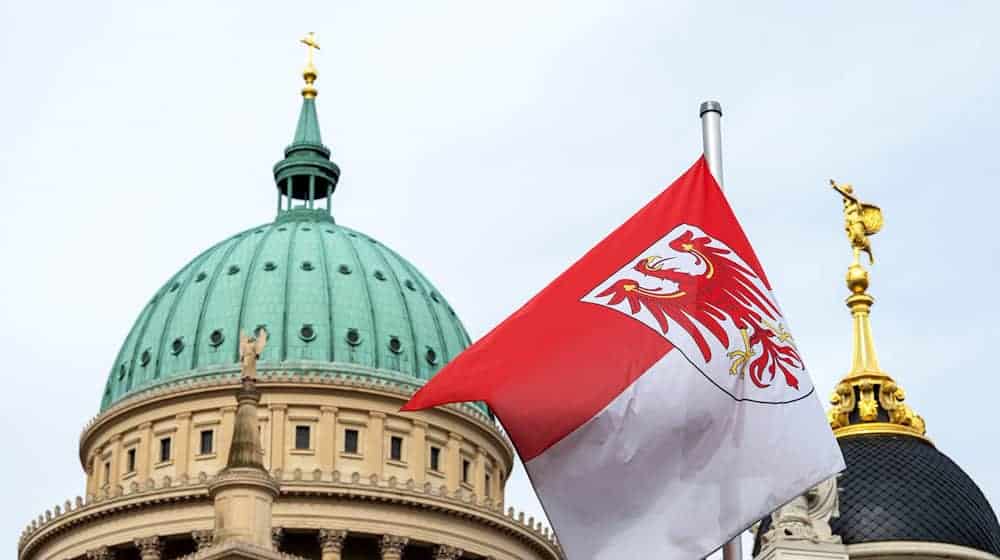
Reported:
(867, 400)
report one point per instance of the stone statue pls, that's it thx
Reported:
(251, 348)
(861, 220)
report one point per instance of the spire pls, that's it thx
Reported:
(867, 400)
(306, 173)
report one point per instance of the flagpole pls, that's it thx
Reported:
(711, 136)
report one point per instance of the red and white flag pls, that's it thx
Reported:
(653, 390)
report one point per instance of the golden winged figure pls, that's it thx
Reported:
(861, 220)
(251, 347)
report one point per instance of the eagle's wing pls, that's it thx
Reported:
(261, 341)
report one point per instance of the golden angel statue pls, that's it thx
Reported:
(861, 220)
(251, 348)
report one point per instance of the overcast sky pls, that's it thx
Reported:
(492, 144)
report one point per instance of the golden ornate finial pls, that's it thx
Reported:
(310, 73)
(867, 400)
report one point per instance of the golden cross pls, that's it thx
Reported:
(310, 41)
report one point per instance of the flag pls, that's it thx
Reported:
(653, 390)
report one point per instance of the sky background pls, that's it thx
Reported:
(492, 144)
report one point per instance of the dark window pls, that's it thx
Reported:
(487, 486)
(164, 449)
(301, 437)
(130, 460)
(107, 472)
(350, 441)
(435, 458)
(207, 442)
(465, 470)
(396, 448)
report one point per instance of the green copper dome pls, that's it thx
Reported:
(333, 300)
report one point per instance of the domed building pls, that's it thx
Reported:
(309, 455)
(900, 496)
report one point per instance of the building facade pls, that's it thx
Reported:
(352, 330)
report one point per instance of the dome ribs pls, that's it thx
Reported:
(376, 361)
(406, 306)
(421, 283)
(251, 274)
(288, 280)
(328, 289)
(380, 313)
(164, 334)
(209, 290)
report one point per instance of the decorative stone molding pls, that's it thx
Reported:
(332, 540)
(807, 517)
(347, 376)
(149, 547)
(203, 538)
(102, 553)
(334, 484)
(445, 552)
(392, 546)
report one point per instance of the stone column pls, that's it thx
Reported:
(326, 437)
(143, 452)
(278, 436)
(418, 452)
(453, 462)
(479, 474)
(114, 475)
(149, 548)
(102, 553)
(202, 539)
(183, 450)
(92, 471)
(276, 534)
(392, 547)
(331, 542)
(226, 427)
(445, 552)
(376, 444)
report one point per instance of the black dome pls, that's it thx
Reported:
(901, 488)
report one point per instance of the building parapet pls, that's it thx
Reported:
(318, 482)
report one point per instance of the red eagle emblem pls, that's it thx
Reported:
(702, 287)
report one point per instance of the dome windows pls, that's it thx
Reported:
(233, 269)
(307, 229)
(395, 345)
(174, 286)
(344, 269)
(177, 346)
(435, 297)
(145, 358)
(431, 356)
(307, 333)
(307, 266)
(201, 276)
(353, 337)
(121, 371)
(379, 275)
(409, 285)
(270, 266)
(216, 338)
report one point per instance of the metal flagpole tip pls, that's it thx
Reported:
(710, 106)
